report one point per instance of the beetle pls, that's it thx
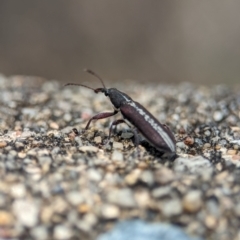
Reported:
(134, 114)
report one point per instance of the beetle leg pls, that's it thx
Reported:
(136, 141)
(114, 124)
(100, 116)
(75, 131)
(136, 137)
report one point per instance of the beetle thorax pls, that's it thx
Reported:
(118, 98)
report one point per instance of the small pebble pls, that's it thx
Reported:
(142, 198)
(127, 135)
(6, 219)
(133, 177)
(189, 141)
(206, 145)
(122, 197)
(22, 154)
(217, 116)
(181, 145)
(109, 211)
(19, 145)
(211, 222)
(87, 222)
(62, 232)
(118, 145)
(26, 212)
(171, 208)
(236, 147)
(192, 201)
(88, 149)
(147, 177)
(67, 117)
(83, 208)
(54, 125)
(207, 133)
(75, 198)
(94, 175)
(31, 112)
(117, 156)
(40, 233)
(32, 169)
(231, 151)
(217, 147)
(161, 191)
(164, 175)
(3, 144)
(98, 139)
(221, 176)
(18, 190)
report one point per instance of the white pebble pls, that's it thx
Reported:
(88, 149)
(192, 201)
(67, 117)
(147, 177)
(75, 198)
(40, 233)
(109, 211)
(94, 175)
(18, 190)
(117, 145)
(171, 208)
(62, 232)
(26, 212)
(217, 116)
(98, 139)
(122, 197)
(117, 156)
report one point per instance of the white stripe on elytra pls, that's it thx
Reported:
(127, 99)
(156, 127)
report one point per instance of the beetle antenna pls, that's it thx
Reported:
(94, 74)
(77, 84)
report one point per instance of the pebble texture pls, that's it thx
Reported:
(57, 184)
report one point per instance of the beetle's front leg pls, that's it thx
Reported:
(113, 124)
(101, 116)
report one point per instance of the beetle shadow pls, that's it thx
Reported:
(158, 154)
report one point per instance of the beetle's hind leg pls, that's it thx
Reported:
(136, 141)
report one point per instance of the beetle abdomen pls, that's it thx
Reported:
(155, 132)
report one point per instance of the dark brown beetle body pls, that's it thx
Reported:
(135, 114)
(157, 134)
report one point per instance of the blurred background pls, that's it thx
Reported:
(165, 41)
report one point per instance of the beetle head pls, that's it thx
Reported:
(102, 90)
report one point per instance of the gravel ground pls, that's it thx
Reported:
(55, 184)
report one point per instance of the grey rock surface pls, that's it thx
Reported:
(140, 230)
